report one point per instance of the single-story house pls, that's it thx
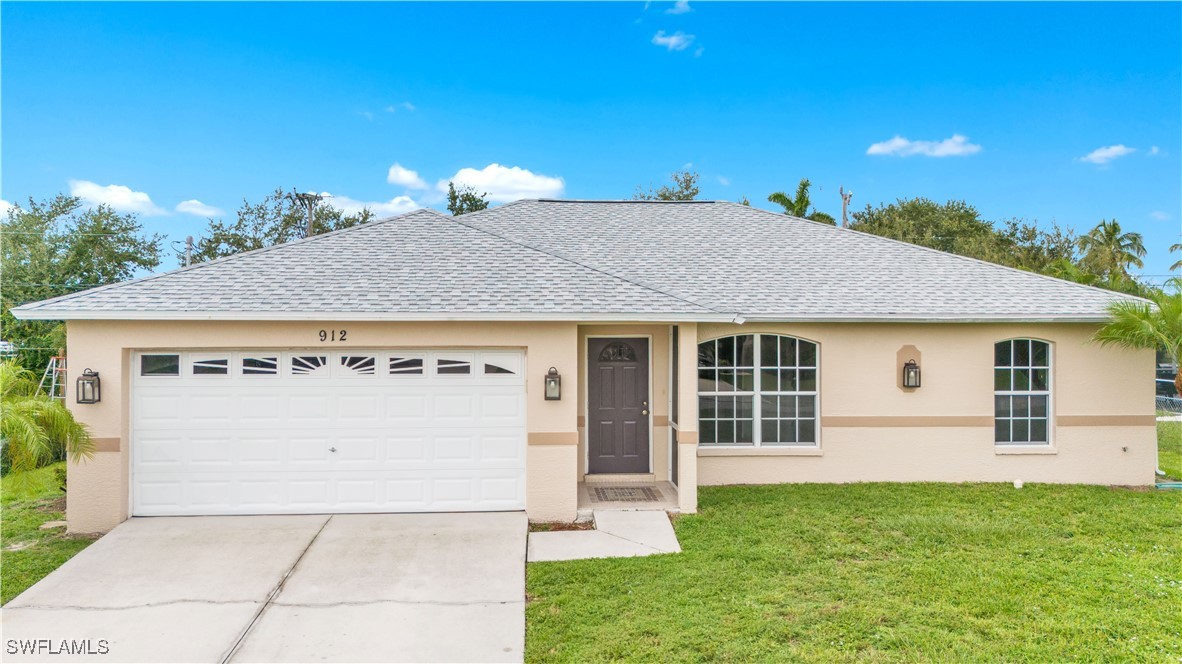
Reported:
(498, 360)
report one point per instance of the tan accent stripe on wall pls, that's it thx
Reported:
(554, 438)
(1106, 420)
(105, 444)
(895, 421)
(687, 437)
(660, 420)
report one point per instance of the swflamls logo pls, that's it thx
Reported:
(57, 647)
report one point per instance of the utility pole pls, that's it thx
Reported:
(188, 251)
(845, 204)
(308, 200)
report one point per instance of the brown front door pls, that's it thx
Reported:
(617, 405)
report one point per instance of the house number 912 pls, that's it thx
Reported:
(333, 335)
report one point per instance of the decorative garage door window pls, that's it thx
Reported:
(1021, 392)
(309, 365)
(758, 390)
(399, 365)
(359, 365)
(160, 365)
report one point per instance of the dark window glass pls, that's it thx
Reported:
(726, 352)
(1001, 354)
(707, 354)
(404, 366)
(807, 431)
(787, 352)
(494, 369)
(453, 367)
(1041, 353)
(708, 432)
(160, 365)
(260, 366)
(361, 365)
(302, 365)
(746, 351)
(769, 350)
(1022, 353)
(808, 354)
(211, 367)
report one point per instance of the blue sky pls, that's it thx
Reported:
(1053, 112)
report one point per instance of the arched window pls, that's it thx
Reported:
(1021, 392)
(757, 389)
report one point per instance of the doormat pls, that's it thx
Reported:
(626, 494)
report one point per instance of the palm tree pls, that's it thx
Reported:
(1108, 251)
(36, 430)
(801, 204)
(1139, 324)
(1178, 264)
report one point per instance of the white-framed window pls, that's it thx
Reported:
(160, 364)
(758, 390)
(1022, 392)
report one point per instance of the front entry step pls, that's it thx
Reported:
(619, 478)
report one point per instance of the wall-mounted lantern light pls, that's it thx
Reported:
(553, 385)
(88, 387)
(910, 374)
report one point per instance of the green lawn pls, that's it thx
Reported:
(882, 572)
(1169, 448)
(28, 553)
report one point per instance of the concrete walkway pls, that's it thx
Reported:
(617, 534)
(381, 587)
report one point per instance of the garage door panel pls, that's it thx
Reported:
(319, 432)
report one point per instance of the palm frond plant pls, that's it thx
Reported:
(36, 430)
(1138, 324)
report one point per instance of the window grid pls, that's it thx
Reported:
(756, 390)
(1022, 392)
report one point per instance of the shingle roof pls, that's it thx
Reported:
(592, 260)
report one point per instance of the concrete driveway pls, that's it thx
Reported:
(352, 587)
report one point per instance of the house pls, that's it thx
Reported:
(495, 361)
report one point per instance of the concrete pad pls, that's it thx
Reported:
(388, 632)
(583, 544)
(617, 534)
(467, 558)
(181, 632)
(149, 561)
(651, 528)
(401, 587)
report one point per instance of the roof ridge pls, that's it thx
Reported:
(561, 256)
(224, 259)
(946, 253)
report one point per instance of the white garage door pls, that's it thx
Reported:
(270, 432)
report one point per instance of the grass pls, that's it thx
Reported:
(882, 572)
(1169, 448)
(28, 553)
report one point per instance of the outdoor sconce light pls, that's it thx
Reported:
(910, 374)
(88, 387)
(553, 385)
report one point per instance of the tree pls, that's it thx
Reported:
(464, 199)
(53, 248)
(1109, 252)
(275, 220)
(1134, 324)
(801, 204)
(683, 188)
(955, 226)
(36, 430)
(1177, 264)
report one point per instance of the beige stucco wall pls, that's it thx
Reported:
(872, 430)
(658, 379)
(98, 495)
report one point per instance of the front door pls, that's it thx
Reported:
(617, 405)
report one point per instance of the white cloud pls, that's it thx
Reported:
(366, 114)
(678, 41)
(680, 7)
(396, 205)
(956, 146)
(1154, 151)
(699, 51)
(117, 196)
(406, 105)
(504, 184)
(5, 206)
(724, 181)
(405, 177)
(196, 207)
(1106, 154)
(1159, 215)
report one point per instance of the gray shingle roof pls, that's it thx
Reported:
(592, 259)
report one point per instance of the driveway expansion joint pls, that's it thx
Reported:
(130, 607)
(273, 594)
